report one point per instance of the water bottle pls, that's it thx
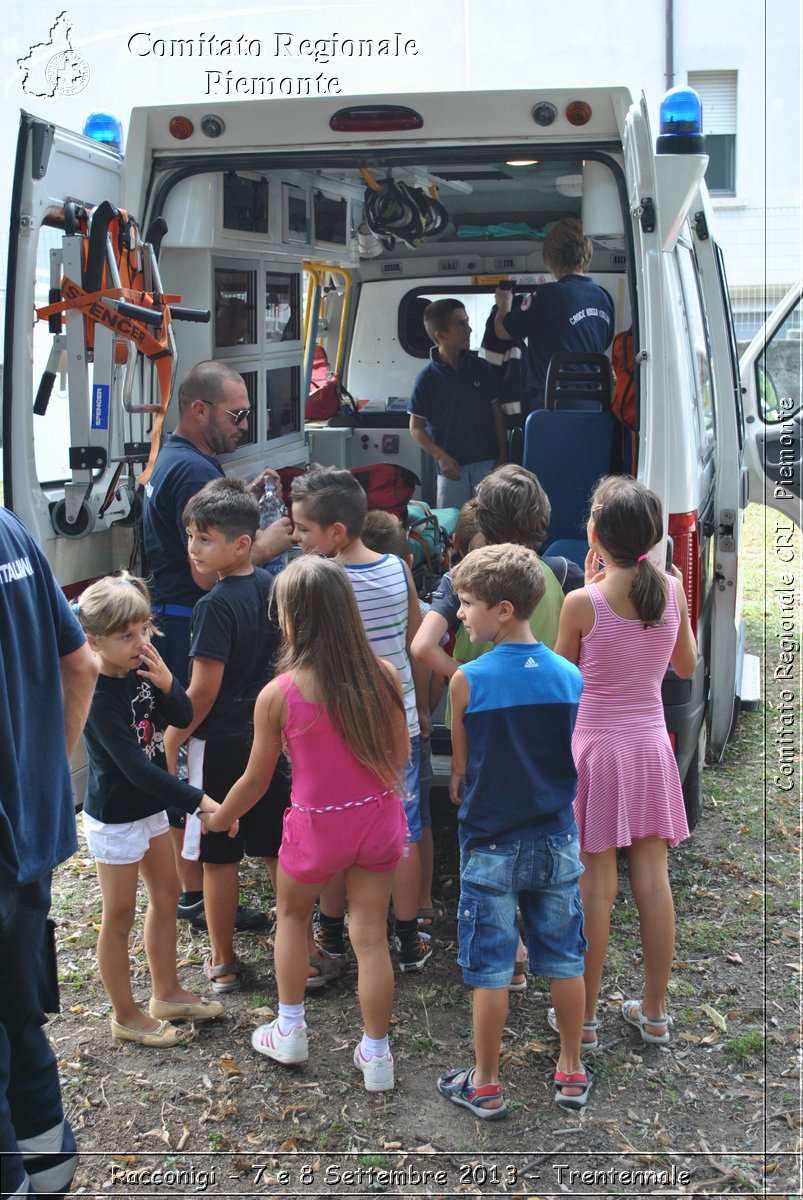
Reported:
(272, 508)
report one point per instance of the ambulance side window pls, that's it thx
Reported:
(778, 376)
(699, 348)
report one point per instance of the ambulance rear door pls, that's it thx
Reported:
(57, 174)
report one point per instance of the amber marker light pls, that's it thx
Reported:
(578, 113)
(181, 128)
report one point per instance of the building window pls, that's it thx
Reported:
(717, 90)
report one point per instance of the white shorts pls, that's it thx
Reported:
(121, 845)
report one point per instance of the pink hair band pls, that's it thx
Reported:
(642, 557)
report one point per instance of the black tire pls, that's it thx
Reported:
(693, 784)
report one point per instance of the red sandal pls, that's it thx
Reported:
(581, 1079)
(457, 1087)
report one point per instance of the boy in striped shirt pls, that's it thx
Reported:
(329, 507)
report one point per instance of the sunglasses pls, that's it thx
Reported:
(238, 415)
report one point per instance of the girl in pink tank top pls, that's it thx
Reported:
(622, 630)
(338, 712)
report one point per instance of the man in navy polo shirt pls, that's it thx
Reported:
(454, 408)
(214, 410)
(572, 314)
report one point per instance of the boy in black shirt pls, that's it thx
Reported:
(233, 645)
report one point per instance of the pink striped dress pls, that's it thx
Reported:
(627, 778)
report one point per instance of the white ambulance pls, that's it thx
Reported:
(272, 222)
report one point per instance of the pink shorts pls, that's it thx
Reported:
(315, 845)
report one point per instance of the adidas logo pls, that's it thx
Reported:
(531, 662)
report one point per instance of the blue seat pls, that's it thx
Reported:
(568, 447)
(575, 549)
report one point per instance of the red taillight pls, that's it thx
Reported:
(369, 118)
(685, 534)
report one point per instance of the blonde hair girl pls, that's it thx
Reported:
(339, 711)
(128, 787)
(622, 630)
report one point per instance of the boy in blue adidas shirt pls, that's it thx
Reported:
(513, 712)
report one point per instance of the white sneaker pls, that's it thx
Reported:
(289, 1047)
(377, 1072)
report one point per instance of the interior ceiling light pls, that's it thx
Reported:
(521, 162)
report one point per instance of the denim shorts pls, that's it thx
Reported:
(410, 792)
(539, 876)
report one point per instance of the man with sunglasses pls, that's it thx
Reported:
(213, 414)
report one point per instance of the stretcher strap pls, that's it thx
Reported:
(157, 349)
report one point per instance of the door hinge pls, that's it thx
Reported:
(645, 211)
(701, 226)
(725, 535)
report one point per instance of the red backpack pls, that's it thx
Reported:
(386, 485)
(623, 403)
(326, 393)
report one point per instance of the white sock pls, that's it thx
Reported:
(291, 1015)
(374, 1047)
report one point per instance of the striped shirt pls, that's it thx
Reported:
(382, 594)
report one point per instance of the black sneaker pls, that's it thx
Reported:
(329, 939)
(187, 912)
(414, 949)
(248, 920)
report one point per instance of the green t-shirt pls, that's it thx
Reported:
(543, 623)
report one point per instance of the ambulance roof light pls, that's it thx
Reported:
(105, 128)
(680, 123)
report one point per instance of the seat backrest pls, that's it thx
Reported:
(569, 450)
(578, 379)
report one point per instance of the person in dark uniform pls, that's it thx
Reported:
(572, 314)
(47, 677)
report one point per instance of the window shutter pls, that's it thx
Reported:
(717, 90)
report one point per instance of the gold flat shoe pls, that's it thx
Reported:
(165, 1034)
(190, 1010)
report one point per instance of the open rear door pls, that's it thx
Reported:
(772, 380)
(57, 173)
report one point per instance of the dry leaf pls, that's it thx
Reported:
(262, 1014)
(161, 1134)
(185, 1137)
(229, 1066)
(538, 1047)
(77, 1008)
(716, 1018)
(391, 1145)
(733, 957)
(426, 1149)
(292, 1110)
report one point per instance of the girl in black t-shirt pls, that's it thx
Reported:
(125, 824)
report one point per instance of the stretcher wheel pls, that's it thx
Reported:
(83, 524)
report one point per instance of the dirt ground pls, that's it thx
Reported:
(715, 1111)
(718, 1111)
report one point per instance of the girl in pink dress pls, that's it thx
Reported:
(622, 630)
(338, 711)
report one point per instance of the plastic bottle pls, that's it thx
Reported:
(272, 508)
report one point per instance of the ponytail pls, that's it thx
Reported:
(648, 593)
(628, 521)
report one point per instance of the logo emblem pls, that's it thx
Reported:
(530, 662)
(54, 68)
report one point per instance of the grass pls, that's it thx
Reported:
(747, 1048)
